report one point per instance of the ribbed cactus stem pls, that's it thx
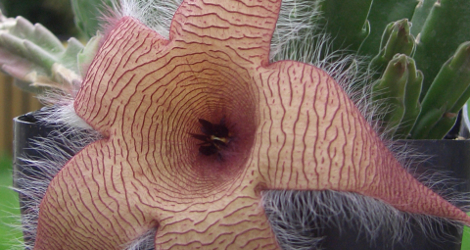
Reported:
(446, 96)
(399, 90)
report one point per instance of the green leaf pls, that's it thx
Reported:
(9, 207)
(466, 237)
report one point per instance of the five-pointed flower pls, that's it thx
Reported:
(291, 126)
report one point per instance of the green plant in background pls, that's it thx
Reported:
(407, 54)
(419, 55)
(9, 211)
(37, 59)
(400, 86)
(442, 55)
(56, 15)
(86, 13)
(466, 238)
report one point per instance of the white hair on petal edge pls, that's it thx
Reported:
(297, 216)
(156, 15)
(69, 134)
(297, 21)
(53, 152)
(62, 112)
(296, 29)
(145, 242)
(298, 36)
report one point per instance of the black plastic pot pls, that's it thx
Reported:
(452, 156)
(25, 128)
(27, 131)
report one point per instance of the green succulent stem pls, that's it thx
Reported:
(396, 39)
(421, 13)
(347, 30)
(381, 14)
(87, 13)
(445, 28)
(446, 96)
(399, 90)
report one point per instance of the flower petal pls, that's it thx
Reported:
(94, 202)
(312, 137)
(242, 26)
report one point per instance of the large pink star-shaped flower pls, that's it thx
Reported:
(291, 126)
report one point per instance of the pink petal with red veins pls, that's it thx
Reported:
(291, 127)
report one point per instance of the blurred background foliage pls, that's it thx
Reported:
(56, 15)
(9, 208)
